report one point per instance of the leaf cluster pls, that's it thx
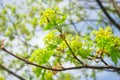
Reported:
(104, 43)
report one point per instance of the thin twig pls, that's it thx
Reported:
(73, 52)
(101, 58)
(104, 61)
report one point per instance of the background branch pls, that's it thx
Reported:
(10, 72)
(107, 15)
(117, 8)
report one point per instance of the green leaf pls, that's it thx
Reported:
(114, 57)
(41, 56)
(49, 75)
(37, 71)
(114, 54)
(43, 74)
(51, 18)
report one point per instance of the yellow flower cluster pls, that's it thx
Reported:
(41, 56)
(104, 37)
(106, 33)
(52, 18)
(107, 43)
(76, 44)
(61, 46)
(52, 39)
(48, 16)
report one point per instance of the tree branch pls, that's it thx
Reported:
(112, 68)
(107, 15)
(10, 72)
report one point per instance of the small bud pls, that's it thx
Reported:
(62, 36)
(2, 43)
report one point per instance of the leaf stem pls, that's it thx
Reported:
(73, 52)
